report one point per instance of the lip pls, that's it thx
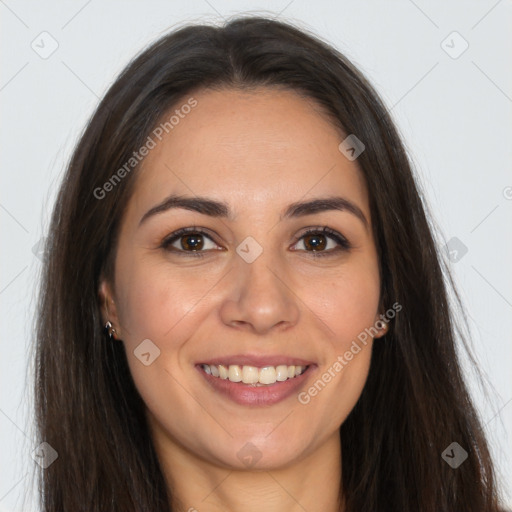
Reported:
(257, 360)
(247, 394)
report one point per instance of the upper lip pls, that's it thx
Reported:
(257, 360)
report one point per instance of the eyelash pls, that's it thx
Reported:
(344, 244)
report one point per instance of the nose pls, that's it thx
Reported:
(261, 297)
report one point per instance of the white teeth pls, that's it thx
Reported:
(267, 375)
(281, 372)
(234, 373)
(250, 375)
(223, 371)
(254, 375)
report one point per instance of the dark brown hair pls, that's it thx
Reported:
(415, 402)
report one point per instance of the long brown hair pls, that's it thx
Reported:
(415, 402)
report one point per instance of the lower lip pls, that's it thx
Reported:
(247, 394)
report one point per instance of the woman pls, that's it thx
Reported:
(242, 294)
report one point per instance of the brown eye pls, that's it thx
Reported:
(192, 242)
(189, 241)
(324, 242)
(315, 242)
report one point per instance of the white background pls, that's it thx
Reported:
(454, 114)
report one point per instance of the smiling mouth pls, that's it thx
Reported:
(254, 375)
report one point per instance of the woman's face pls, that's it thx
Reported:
(248, 290)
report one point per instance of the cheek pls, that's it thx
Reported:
(157, 305)
(348, 303)
(153, 300)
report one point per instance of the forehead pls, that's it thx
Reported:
(257, 150)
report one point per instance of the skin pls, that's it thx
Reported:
(257, 151)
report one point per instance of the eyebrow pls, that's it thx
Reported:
(213, 208)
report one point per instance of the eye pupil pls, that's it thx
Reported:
(317, 241)
(193, 242)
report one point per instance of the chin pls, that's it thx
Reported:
(260, 452)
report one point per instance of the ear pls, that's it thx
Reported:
(108, 306)
(381, 323)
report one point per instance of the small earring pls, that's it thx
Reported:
(384, 326)
(109, 331)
